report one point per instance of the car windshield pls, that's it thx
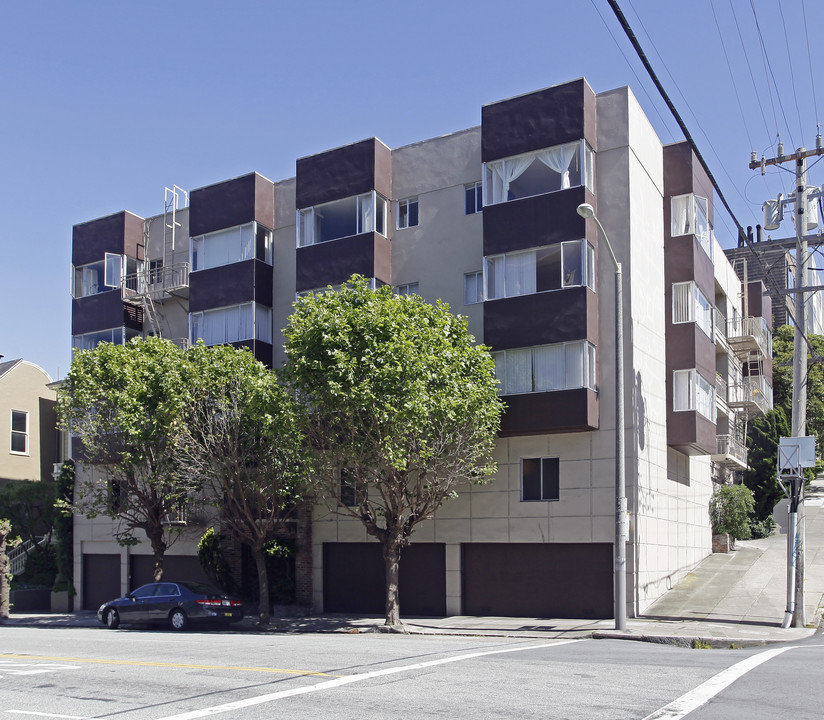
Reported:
(202, 588)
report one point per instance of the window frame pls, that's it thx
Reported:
(476, 277)
(696, 219)
(549, 480)
(586, 370)
(406, 211)
(412, 288)
(25, 433)
(474, 190)
(701, 393)
(244, 247)
(306, 219)
(687, 307)
(260, 324)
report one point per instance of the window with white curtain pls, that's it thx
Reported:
(689, 304)
(524, 272)
(90, 279)
(691, 391)
(536, 173)
(115, 336)
(545, 368)
(235, 323)
(690, 216)
(235, 244)
(342, 218)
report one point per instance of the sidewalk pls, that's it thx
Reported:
(734, 599)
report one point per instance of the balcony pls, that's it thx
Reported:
(750, 334)
(720, 327)
(751, 394)
(730, 452)
(157, 284)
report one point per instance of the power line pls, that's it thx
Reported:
(810, 60)
(792, 72)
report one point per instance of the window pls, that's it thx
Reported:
(545, 368)
(473, 288)
(689, 304)
(19, 432)
(98, 277)
(536, 173)
(342, 218)
(407, 213)
(690, 216)
(115, 336)
(374, 284)
(235, 244)
(540, 479)
(691, 391)
(236, 323)
(568, 264)
(407, 289)
(352, 491)
(474, 198)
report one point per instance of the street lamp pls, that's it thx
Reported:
(585, 210)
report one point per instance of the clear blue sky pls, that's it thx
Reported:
(104, 104)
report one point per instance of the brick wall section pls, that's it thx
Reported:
(303, 559)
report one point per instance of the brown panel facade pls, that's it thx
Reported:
(102, 312)
(759, 301)
(563, 580)
(230, 203)
(225, 285)
(354, 579)
(350, 170)
(541, 119)
(691, 433)
(118, 233)
(101, 579)
(535, 221)
(683, 174)
(550, 412)
(334, 262)
(539, 319)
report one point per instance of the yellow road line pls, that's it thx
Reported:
(140, 663)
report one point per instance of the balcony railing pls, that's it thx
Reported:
(720, 327)
(747, 334)
(721, 389)
(753, 394)
(157, 283)
(730, 451)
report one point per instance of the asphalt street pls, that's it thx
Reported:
(85, 673)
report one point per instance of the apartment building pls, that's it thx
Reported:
(484, 219)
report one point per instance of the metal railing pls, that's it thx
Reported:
(18, 555)
(731, 446)
(157, 281)
(753, 392)
(747, 330)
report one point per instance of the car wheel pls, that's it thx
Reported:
(178, 619)
(112, 619)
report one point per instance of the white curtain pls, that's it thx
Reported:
(574, 364)
(548, 367)
(680, 222)
(559, 159)
(495, 277)
(365, 202)
(682, 396)
(504, 172)
(520, 273)
(519, 371)
(247, 242)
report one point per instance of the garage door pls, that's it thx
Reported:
(537, 580)
(101, 579)
(354, 579)
(175, 567)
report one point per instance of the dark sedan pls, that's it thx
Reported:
(174, 603)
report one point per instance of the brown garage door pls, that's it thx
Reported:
(175, 567)
(354, 579)
(561, 580)
(101, 579)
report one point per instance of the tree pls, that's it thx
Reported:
(124, 404)
(6, 542)
(29, 506)
(730, 510)
(763, 436)
(400, 408)
(241, 439)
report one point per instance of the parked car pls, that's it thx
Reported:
(175, 603)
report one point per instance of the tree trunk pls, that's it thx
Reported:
(391, 557)
(159, 549)
(264, 612)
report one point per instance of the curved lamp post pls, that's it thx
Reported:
(585, 210)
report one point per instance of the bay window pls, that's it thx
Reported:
(689, 304)
(235, 323)
(690, 216)
(115, 336)
(101, 276)
(342, 218)
(553, 267)
(235, 244)
(536, 173)
(691, 391)
(545, 368)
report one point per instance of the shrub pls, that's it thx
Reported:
(762, 528)
(730, 509)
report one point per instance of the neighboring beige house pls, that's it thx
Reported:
(28, 432)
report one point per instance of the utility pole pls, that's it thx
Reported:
(796, 529)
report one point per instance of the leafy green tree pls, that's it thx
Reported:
(6, 543)
(400, 409)
(763, 437)
(124, 404)
(29, 506)
(241, 438)
(730, 510)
